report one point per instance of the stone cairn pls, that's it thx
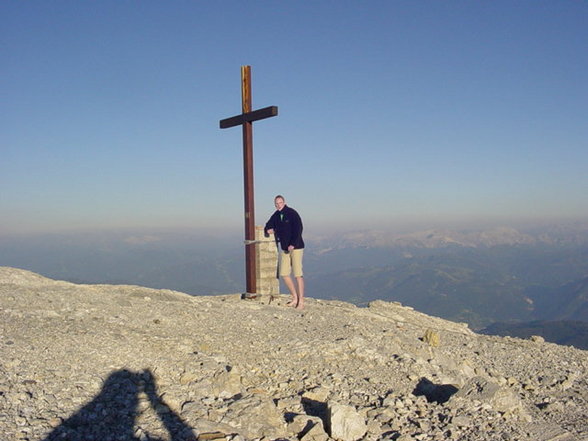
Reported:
(266, 259)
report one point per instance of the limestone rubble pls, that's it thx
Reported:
(105, 362)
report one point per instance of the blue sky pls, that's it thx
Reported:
(390, 112)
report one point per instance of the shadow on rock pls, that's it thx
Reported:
(112, 414)
(434, 393)
(315, 408)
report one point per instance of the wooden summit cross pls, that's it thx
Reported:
(246, 120)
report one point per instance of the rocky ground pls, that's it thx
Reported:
(104, 362)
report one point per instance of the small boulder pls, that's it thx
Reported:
(537, 339)
(501, 398)
(432, 338)
(345, 423)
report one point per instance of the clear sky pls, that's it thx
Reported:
(389, 111)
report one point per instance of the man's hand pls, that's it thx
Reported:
(270, 231)
(290, 248)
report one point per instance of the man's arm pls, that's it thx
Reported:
(270, 225)
(296, 229)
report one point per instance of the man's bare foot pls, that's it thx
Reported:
(300, 306)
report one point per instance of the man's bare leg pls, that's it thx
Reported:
(290, 284)
(300, 281)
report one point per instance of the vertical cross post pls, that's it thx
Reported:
(246, 120)
(250, 278)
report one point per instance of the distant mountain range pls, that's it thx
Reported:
(557, 235)
(481, 277)
(476, 276)
(478, 286)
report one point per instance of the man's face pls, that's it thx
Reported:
(279, 203)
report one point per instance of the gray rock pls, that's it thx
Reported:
(502, 399)
(345, 423)
(255, 416)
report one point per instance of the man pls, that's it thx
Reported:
(286, 225)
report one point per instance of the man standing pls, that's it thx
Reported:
(286, 224)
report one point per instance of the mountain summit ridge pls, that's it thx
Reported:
(108, 361)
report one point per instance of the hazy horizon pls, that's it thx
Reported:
(311, 229)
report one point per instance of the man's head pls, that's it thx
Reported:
(279, 202)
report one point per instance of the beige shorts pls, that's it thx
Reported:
(291, 262)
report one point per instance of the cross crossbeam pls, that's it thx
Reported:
(266, 112)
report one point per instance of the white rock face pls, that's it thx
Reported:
(106, 362)
(345, 423)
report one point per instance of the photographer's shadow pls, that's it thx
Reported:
(112, 414)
